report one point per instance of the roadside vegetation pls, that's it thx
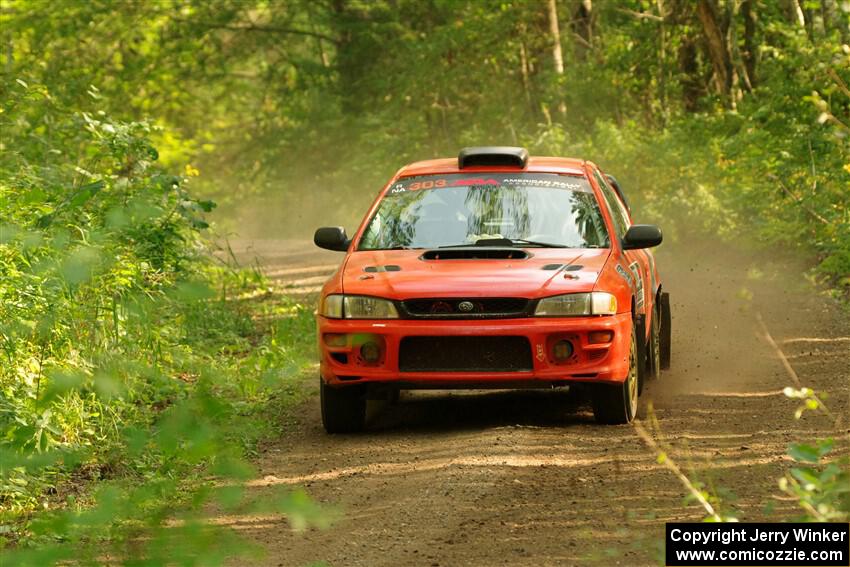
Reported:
(139, 372)
(136, 369)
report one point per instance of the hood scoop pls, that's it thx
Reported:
(387, 268)
(569, 268)
(476, 253)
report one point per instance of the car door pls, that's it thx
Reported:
(639, 263)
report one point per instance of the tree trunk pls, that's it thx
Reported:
(557, 53)
(527, 71)
(689, 69)
(750, 53)
(582, 25)
(717, 49)
(555, 30)
(523, 67)
(662, 61)
(834, 18)
(794, 12)
(346, 65)
(814, 23)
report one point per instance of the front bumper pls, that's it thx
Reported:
(341, 363)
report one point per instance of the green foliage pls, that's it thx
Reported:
(820, 486)
(112, 336)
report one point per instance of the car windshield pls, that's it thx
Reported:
(462, 209)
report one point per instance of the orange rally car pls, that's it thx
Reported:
(492, 270)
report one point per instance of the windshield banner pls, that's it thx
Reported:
(491, 180)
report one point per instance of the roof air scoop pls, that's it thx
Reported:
(507, 156)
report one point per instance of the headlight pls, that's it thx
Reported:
(332, 307)
(364, 307)
(358, 307)
(575, 304)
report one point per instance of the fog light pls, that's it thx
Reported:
(600, 337)
(563, 350)
(336, 340)
(370, 352)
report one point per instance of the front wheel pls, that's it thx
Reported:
(343, 409)
(618, 403)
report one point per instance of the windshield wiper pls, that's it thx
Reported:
(535, 243)
(505, 242)
(397, 247)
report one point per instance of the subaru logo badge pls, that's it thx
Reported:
(465, 306)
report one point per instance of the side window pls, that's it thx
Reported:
(615, 207)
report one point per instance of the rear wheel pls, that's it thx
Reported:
(618, 403)
(666, 333)
(343, 409)
(653, 354)
(642, 350)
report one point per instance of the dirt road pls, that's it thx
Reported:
(527, 478)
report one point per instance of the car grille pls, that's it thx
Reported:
(463, 308)
(465, 354)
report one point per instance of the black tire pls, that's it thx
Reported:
(653, 349)
(343, 409)
(666, 331)
(642, 351)
(618, 403)
(394, 396)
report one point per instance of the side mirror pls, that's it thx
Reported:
(331, 238)
(642, 236)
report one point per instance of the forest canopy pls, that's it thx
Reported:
(721, 109)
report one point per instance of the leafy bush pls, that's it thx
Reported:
(820, 484)
(111, 336)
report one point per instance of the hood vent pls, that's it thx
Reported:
(476, 253)
(570, 268)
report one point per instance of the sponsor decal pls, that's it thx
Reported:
(541, 353)
(639, 295)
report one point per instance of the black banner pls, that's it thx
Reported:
(764, 544)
